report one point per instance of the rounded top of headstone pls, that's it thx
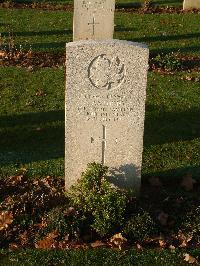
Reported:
(113, 42)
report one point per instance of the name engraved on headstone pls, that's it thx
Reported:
(110, 107)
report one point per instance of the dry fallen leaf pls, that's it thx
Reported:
(13, 246)
(118, 240)
(188, 78)
(15, 179)
(29, 55)
(2, 53)
(139, 247)
(6, 218)
(185, 239)
(188, 183)
(48, 242)
(162, 243)
(98, 244)
(190, 259)
(40, 92)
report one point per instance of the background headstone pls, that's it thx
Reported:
(105, 105)
(93, 19)
(188, 4)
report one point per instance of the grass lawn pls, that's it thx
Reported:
(32, 118)
(32, 126)
(96, 257)
(161, 32)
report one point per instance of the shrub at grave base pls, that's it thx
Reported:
(95, 197)
(139, 227)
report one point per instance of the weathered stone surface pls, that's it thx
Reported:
(188, 4)
(105, 106)
(93, 20)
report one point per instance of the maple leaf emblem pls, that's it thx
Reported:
(105, 73)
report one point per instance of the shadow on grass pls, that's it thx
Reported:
(172, 176)
(31, 137)
(160, 38)
(49, 45)
(38, 33)
(166, 127)
(183, 50)
(163, 39)
(168, 2)
(129, 5)
(40, 136)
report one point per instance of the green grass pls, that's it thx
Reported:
(161, 32)
(22, 113)
(172, 140)
(97, 257)
(172, 126)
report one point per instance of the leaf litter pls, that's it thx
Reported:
(24, 203)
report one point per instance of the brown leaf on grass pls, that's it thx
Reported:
(188, 183)
(172, 247)
(13, 246)
(63, 245)
(29, 55)
(184, 244)
(6, 218)
(41, 225)
(188, 78)
(163, 218)
(155, 182)
(40, 92)
(118, 241)
(98, 244)
(24, 238)
(190, 259)
(48, 242)
(2, 53)
(184, 239)
(139, 247)
(162, 243)
(78, 245)
(14, 180)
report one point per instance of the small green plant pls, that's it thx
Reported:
(139, 227)
(95, 197)
(66, 221)
(167, 61)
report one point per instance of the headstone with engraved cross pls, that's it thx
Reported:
(93, 19)
(191, 4)
(104, 112)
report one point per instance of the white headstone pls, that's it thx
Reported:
(105, 106)
(190, 4)
(93, 19)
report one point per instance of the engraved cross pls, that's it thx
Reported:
(93, 24)
(103, 145)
